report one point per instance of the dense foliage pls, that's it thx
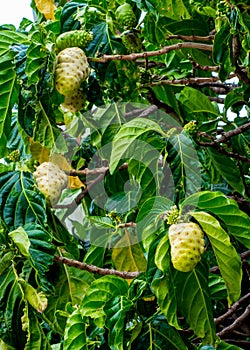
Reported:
(152, 131)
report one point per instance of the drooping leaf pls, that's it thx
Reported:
(194, 303)
(46, 7)
(36, 299)
(21, 202)
(228, 169)
(227, 257)
(75, 332)
(226, 209)
(116, 311)
(35, 244)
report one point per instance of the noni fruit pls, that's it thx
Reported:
(74, 38)
(71, 70)
(187, 244)
(51, 180)
(125, 16)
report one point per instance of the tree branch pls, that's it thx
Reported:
(235, 324)
(191, 37)
(232, 309)
(145, 54)
(95, 269)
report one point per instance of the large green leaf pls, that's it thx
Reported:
(149, 220)
(226, 209)
(10, 303)
(194, 303)
(228, 169)
(116, 311)
(21, 202)
(184, 165)
(101, 291)
(7, 96)
(194, 101)
(75, 332)
(158, 334)
(227, 257)
(35, 244)
(124, 143)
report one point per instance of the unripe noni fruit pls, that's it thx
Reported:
(72, 69)
(74, 103)
(74, 38)
(125, 16)
(51, 180)
(132, 41)
(187, 244)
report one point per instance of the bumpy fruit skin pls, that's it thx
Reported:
(187, 244)
(71, 70)
(51, 180)
(125, 16)
(74, 38)
(191, 127)
(74, 103)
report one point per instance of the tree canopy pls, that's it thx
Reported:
(124, 176)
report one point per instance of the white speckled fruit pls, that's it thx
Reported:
(71, 70)
(187, 244)
(51, 180)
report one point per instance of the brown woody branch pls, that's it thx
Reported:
(95, 269)
(191, 37)
(236, 46)
(235, 324)
(145, 54)
(232, 309)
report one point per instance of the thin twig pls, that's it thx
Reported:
(95, 269)
(191, 37)
(145, 54)
(227, 135)
(232, 309)
(235, 324)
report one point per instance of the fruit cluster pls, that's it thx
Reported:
(187, 244)
(51, 180)
(125, 16)
(74, 38)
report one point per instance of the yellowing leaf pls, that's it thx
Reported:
(127, 254)
(46, 7)
(61, 161)
(39, 153)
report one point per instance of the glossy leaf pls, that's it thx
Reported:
(75, 332)
(236, 221)
(194, 301)
(228, 169)
(116, 311)
(21, 201)
(227, 257)
(101, 291)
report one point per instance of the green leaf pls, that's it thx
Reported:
(116, 311)
(237, 222)
(22, 203)
(194, 101)
(7, 98)
(75, 332)
(194, 303)
(9, 37)
(148, 220)
(36, 337)
(225, 346)
(101, 291)
(158, 334)
(184, 164)
(228, 169)
(37, 300)
(35, 244)
(126, 137)
(227, 257)
(36, 55)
